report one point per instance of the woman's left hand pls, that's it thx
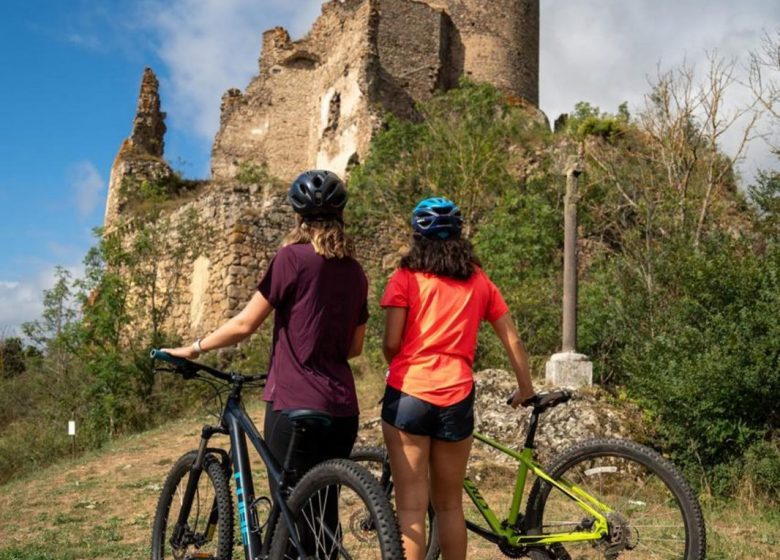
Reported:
(187, 352)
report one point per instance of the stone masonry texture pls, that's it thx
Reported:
(315, 103)
(363, 57)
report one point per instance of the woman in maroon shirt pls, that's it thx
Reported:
(318, 292)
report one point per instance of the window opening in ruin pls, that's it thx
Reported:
(334, 111)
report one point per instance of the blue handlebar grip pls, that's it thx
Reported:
(157, 354)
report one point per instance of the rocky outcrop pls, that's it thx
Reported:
(589, 414)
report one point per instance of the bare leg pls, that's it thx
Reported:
(408, 455)
(448, 468)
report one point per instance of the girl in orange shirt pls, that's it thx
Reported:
(434, 304)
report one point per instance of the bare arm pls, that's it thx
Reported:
(507, 333)
(395, 320)
(356, 347)
(233, 331)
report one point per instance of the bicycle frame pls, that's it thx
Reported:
(239, 426)
(509, 531)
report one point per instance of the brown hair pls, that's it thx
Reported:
(328, 237)
(453, 258)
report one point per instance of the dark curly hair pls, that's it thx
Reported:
(453, 258)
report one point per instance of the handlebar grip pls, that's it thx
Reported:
(157, 354)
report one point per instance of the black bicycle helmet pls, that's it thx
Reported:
(318, 195)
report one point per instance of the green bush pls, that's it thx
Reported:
(520, 250)
(708, 367)
(762, 468)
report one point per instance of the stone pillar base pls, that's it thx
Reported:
(569, 369)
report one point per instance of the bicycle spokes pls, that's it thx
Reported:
(335, 523)
(646, 520)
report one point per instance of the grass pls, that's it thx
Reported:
(101, 505)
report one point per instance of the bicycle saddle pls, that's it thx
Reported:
(306, 416)
(550, 399)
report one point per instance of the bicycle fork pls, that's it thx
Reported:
(181, 529)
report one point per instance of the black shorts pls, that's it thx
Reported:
(415, 416)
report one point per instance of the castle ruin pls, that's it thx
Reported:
(316, 103)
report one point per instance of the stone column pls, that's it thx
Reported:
(568, 368)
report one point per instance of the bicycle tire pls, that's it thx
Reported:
(657, 513)
(374, 458)
(359, 495)
(213, 484)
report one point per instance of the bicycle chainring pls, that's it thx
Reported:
(516, 551)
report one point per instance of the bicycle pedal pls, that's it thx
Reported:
(558, 552)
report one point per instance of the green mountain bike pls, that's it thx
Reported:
(600, 499)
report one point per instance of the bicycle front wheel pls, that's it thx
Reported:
(654, 514)
(208, 532)
(339, 511)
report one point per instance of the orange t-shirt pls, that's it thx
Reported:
(440, 334)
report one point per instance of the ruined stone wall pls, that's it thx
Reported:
(308, 106)
(500, 41)
(317, 101)
(140, 155)
(245, 225)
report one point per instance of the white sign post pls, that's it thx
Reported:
(72, 434)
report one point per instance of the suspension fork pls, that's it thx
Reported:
(196, 470)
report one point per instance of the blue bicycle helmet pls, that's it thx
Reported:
(437, 217)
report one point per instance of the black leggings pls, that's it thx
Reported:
(315, 444)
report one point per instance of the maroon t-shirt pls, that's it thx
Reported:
(318, 304)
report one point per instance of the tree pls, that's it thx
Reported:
(59, 311)
(12, 357)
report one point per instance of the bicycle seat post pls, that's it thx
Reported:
(287, 465)
(532, 425)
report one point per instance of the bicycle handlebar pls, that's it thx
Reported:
(188, 368)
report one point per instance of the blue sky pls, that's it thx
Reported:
(71, 71)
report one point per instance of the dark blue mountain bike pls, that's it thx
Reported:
(336, 510)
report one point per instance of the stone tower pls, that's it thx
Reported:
(317, 102)
(500, 42)
(140, 156)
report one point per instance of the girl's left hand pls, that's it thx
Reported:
(187, 352)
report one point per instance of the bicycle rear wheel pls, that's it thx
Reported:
(209, 529)
(655, 514)
(375, 461)
(339, 511)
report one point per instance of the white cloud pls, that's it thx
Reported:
(22, 300)
(19, 302)
(608, 51)
(601, 51)
(209, 46)
(88, 187)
